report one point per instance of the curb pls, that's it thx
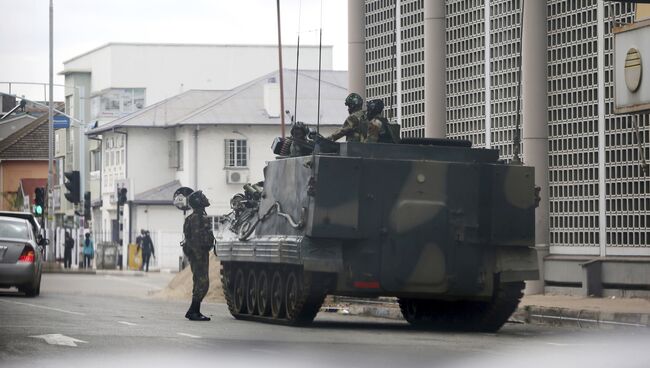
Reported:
(555, 316)
(535, 315)
(72, 272)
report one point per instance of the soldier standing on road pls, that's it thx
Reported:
(199, 239)
(352, 126)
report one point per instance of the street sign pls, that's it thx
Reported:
(631, 56)
(61, 122)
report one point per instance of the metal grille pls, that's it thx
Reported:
(465, 70)
(381, 63)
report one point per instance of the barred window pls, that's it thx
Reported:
(236, 153)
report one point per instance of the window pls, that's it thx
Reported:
(176, 155)
(117, 102)
(95, 160)
(236, 153)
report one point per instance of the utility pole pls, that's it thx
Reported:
(50, 140)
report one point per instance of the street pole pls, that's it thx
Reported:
(82, 160)
(50, 140)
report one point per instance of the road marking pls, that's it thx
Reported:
(188, 335)
(44, 307)
(58, 339)
(127, 323)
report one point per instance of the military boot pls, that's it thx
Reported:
(194, 313)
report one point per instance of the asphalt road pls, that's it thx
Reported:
(110, 321)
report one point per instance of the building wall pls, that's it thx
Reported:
(167, 70)
(11, 171)
(165, 223)
(147, 158)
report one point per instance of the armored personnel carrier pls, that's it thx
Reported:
(445, 228)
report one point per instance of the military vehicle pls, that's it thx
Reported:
(445, 228)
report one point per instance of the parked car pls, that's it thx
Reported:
(21, 253)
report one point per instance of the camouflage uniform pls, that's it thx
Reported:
(199, 239)
(377, 129)
(351, 127)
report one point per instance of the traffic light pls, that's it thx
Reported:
(87, 210)
(39, 201)
(72, 185)
(121, 196)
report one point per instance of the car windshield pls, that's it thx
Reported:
(13, 229)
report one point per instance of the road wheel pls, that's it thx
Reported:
(251, 292)
(263, 294)
(485, 316)
(239, 291)
(411, 309)
(277, 295)
(293, 295)
(303, 299)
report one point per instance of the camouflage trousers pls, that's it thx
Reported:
(199, 265)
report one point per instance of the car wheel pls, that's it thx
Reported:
(32, 290)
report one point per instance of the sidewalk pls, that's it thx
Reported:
(535, 309)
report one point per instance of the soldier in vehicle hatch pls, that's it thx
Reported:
(352, 126)
(199, 239)
(377, 129)
(299, 145)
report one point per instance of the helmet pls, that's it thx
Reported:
(299, 125)
(198, 200)
(375, 107)
(354, 101)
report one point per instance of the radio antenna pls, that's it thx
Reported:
(280, 69)
(295, 99)
(320, 50)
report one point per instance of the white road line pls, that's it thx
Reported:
(127, 323)
(44, 307)
(188, 335)
(58, 339)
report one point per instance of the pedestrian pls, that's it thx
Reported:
(199, 239)
(147, 251)
(67, 250)
(88, 251)
(138, 240)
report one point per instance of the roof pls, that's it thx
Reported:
(11, 124)
(178, 45)
(245, 104)
(161, 195)
(29, 142)
(166, 113)
(29, 186)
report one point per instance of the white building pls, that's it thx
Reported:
(215, 141)
(117, 79)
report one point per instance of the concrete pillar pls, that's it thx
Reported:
(357, 47)
(535, 122)
(435, 81)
